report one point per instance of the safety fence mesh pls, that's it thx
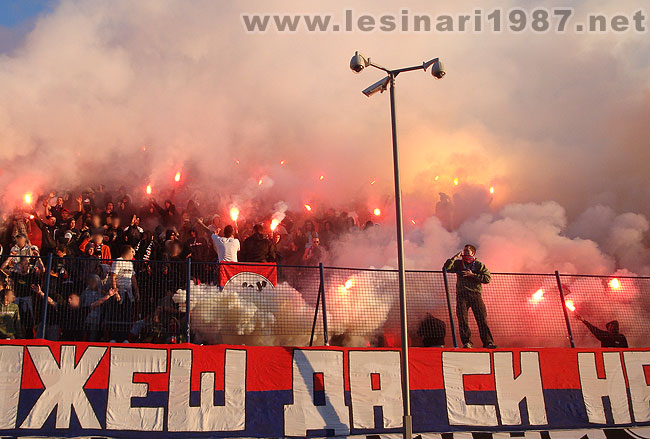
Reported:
(266, 304)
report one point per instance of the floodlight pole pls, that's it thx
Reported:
(406, 395)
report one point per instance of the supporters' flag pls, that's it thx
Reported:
(267, 271)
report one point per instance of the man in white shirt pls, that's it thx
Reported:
(118, 317)
(123, 275)
(226, 246)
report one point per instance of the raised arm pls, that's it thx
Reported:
(449, 264)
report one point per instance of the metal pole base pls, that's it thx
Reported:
(408, 427)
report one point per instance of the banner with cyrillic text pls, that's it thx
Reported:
(81, 389)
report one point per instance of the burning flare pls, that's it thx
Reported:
(413, 221)
(614, 284)
(537, 296)
(148, 189)
(569, 304)
(321, 178)
(274, 224)
(259, 183)
(492, 189)
(308, 207)
(177, 177)
(282, 162)
(234, 213)
(377, 212)
(373, 182)
(343, 289)
(456, 181)
(28, 198)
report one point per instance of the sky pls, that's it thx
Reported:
(555, 123)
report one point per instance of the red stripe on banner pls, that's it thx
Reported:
(212, 360)
(319, 382)
(268, 270)
(158, 382)
(479, 382)
(375, 381)
(425, 366)
(99, 378)
(269, 368)
(551, 359)
(30, 378)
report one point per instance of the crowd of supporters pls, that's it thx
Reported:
(115, 266)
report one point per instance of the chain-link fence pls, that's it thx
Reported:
(266, 304)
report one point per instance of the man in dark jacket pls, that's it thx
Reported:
(608, 339)
(471, 274)
(48, 231)
(257, 247)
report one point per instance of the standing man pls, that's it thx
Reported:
(471, 274)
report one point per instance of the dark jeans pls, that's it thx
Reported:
(464, 301)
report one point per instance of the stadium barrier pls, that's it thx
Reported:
(192, 391)
(269, 304)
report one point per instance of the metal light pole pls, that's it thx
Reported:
(357, 64)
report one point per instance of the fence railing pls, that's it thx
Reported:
(265, 304)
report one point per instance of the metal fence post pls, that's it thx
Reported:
(187, 299)
(46, 296)
(313, 325)
(322, 292)
(566, 314)
(451, 314)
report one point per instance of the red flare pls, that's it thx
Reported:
(570, 305)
